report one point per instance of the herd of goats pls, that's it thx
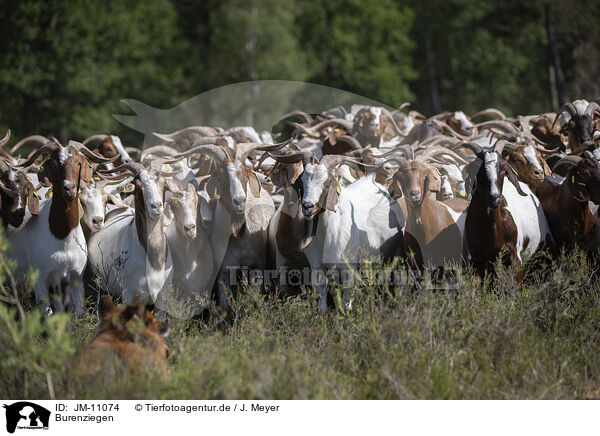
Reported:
(326, 191)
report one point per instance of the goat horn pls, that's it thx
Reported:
(94, 140)
(215, 151)
(314, 131)
(41, 140)
(567, 107)
(592, 109)
(243, 150)
(90, 155)
(306, 117)
(47, 148)
(301, 156)
(5, 139)
(494, 113)
(504, 125)
(132, 167)
(568, 160)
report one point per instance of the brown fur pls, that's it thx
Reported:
(65, 211)
(566, 205)
(524, 169)
(130, 332)
(490, 231)
(430, 229)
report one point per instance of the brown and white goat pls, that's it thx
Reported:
(53, 242)
(434, 229)
(130, 255)
(502, 218)
(566, 204)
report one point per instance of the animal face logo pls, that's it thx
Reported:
(26, 415)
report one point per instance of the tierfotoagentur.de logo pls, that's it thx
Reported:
(24, 415)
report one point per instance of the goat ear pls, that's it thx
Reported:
(254, 183)
(206, 211)
(329, 198)
(168, 215)
(44, 176)
(434, 180)
(512, 176)
(33, 200)
(80, 208)
(395, 190)
(87, 171)
(173, 186)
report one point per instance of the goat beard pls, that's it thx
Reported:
(237, 224)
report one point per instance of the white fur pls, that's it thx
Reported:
(93, 206)
(120, 149)
(64, 154)
(529, 153)
(491, 168)
(151, 194)
(193, 263)
(529, 218)
(120, 261)
(365, 217)
(313, 179)
(466, 125)
(58, 261)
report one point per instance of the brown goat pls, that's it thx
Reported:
(566, 204)
(434, 229)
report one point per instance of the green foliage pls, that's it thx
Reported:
(66, 64)
(360, 46)
(486, 339)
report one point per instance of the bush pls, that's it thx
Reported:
(485, 339)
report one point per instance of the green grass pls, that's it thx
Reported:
(487, 339)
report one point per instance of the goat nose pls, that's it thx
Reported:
(98, 221)
(189, 227)
(156, 204)
(414, 192)
(239, 201)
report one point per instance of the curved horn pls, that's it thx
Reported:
(592, 109)
(132, 167)
(489, 112)
(215, 151)
(302, 156)
(41, 140)
(306, 117)
(243, 149)
(315, 131)
(330, 161)
(567, 107)
(201, 130)
(4, 140)
(474, 147)
(45, 149)
(504, 125)
(567, 160)
(352, 141)
(158, 150)
(90, 155)
(94, 140)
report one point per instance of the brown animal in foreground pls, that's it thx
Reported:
(130, 332)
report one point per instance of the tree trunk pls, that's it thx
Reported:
(557, 76)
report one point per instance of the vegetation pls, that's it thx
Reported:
(66, 64)
(486, 339)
